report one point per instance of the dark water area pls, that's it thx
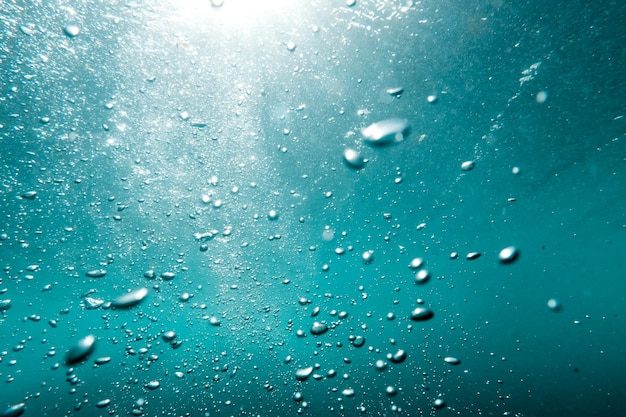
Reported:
(191, 153)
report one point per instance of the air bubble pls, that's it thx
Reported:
(439, 403)
(422, 277)
(358, 341)
(468, 165)
(14, 410)
(386, 132)
(152, 385)
(348, 392)
(452, 360)
(381, 365)
(169, 336)
(541, 97)
(353, 159)
(368, 257)
(318, 328)
(304, 373)
(508, 254)
(130, 299)
(71, 31)
(168, 276)
(416, 263)
(554, 304)
(103, 403)
(395, 92)
(96, 273)
(472, 256)
(398, 357)
(80, 350)
(421, 314)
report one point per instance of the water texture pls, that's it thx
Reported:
(318, 208)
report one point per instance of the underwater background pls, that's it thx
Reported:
(253, 208)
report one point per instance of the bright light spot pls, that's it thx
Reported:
(233, 13)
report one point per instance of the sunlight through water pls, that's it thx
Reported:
(235, 15)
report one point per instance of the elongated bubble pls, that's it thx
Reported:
(80, 350)
(386, 132)
(130, 299)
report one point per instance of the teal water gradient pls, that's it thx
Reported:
(147, 128)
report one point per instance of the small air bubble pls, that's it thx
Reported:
(541, 97)
(71, 31)
(508, 254)
(422, 276)
(368, 257)
(554, 304)
(353, 159)
(416, 263)
(439, 403)
(468, 165)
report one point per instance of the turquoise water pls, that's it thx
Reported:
(196, 150)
